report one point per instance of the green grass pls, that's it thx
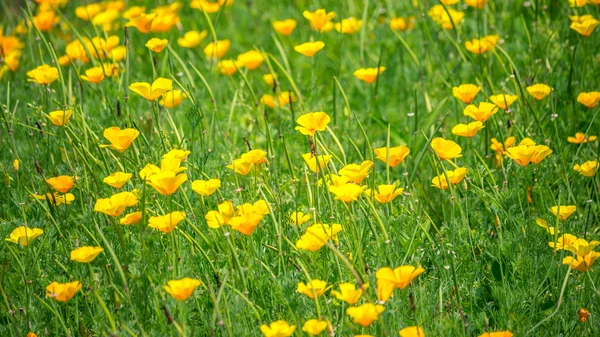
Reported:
(488, 267)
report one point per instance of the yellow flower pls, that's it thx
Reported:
(45, 20)
(119, 139)
(388, 280)
(131, 218)
(445, 17)
(299, 218)
(270, 79)
(466, 92)
(412, 331)
(577, 3)
(167, 182)
(349, 293)
(365, 314)
(319, 18)
(61, 183)
(563, 242)
(228, 67)
(62, 291)
(93, 75)
(312, 122)
(524, 154)
(56, 199)
(285, 27)
(182, 289)
(89, 11)
(314, 327)
(43, 74)
(285, 97)
(268, 100)
(311, 161)
(589, 99)
(587, 169)
(467, 130)
(240, 166)
(582, 315)
(245, 223)
(539, 91)
(16, 164)
(402, 24)
(86, 254)
(542, 223)
(31, 334)
(166, 223)
(216, 50)
(585, 28)
(206, 187)
(563, 212)
(117, 179)
(216, 219)
(446, 149)
(482, 112)
(278, 329)
(317, 235)
(210, 6)
(396, 154)
(116, 204)
(503, 101)
(24, 235)
(385, 193)
(152, 91)
(475, 4)
(368, 75)
(347, 192)
(172, 98)
(485, 44)
(581, 138)
(309, 48)
(348, 26)
(251, 59)
(449, 2)
(582, 247)
(356, 173)
(455, 177)
(191, 39)
(581, 263)
(312, 288)
(157, 45)
(142, 22)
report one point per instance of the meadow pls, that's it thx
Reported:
(299, 168)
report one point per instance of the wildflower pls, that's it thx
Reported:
(56, 199)
(497, 334)
(388, 280)
(206, 187)
(317, 235)
(227, 67)
(485, 44)
(319, 18)
(365, 314)
(210, 6)
(475, 4)
(582, 247)
(455, 177)
(16, 164)
(43, 74)
(116, 204)
(117, 179)
(167, 222)
(385, 193)
(182, 289)
(348, 26)
(86, 254)
(368, 75)
(285, 97)
(299, 218)
(245, 223)
(356, 173)
(268, 100)
(412, 331)
(172, 98)
(581, 138)
(167, 182)
(93, 75)
(466, 92)
(402, 24)
(349, 293)
(333, 179)
(131, 218)
(503, 101)
(120, 139)
(563, 242)
(542, 223)
(467, 130)
(587, 169)
(312, 288)
(539, 91)
(396, 154)
(524, 154)
(142, 22)
(482, 112)
(216, 219)
(589, 99)
(314, 327)
(581, 263)
(24, 235)
(87, 12)
(45, 20)
(577, 3)
(309, 48)
(449, 2)
(586, 27)
(31, 334)
(191, 39)
(563, 212)
(285, 27)
(312, 122)
(251, 59)
(311, 161)
(447, 18)
(152, 91)
(347, 192)
(278, 329)
(270, 79)
(217, 49)
(62, 291)
(61, 183)
(582, 315)
(446, 149)
(156, 45)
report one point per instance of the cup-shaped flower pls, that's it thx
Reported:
(319, 18)
(368, 75)
(24, 235)
(349, 293)
(93, 75)
(581, 263)
(313, 288)
(183, 288)
(117, 179)
(539, 153)
(582, 315)
(285, 27)
(482, 112)
(191, 39)
(350, 25)
(166, 223)
(563, 242)
(157, 45)
(314, 327)
(311, 161)
(251, 59)
(580, 138)
(497, 334)
(466, 92)
(563, 212)
(480, 46)
(388, 280)
(539, 91)
(152, 91)
(589, 99)
(299, 218)
(167, 182)
(131, 218)
(447, 18)
(216, 219)
(585, 27)
(60, 117)
(206, 187)
(228, 67)
(172, 98)
(503, 101)
(270, 79)
(285, 97)
(309, 48)
(245, 223)
(210, 6)
(217, 49)
(402, 24)
(119, 139)
(43, 74)
(62, 291)
(312, 122)
(86, 254)
(365, 314)
(116, 204)
(455, 177)
(467, 130)
(587, 169)
(385, 193)
(278, 329)
(412, 331)
(55, 198)
(396, 154)
(317, 235)
(356, 173)
(62, 183)
(446, 149)
(475, 4)
(347, 192)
